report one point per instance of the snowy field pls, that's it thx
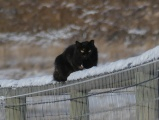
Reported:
(41, 38)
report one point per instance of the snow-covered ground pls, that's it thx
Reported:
(7, 74)
(43, 37)
(138, 31)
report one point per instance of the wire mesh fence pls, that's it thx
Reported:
(130, 94)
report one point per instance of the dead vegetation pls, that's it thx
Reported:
(121, 29)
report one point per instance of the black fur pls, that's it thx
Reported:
(76, 57)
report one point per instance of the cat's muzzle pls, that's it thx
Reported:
(81, 67)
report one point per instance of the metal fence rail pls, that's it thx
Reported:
(130, 94)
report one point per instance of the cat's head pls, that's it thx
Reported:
(85, 49)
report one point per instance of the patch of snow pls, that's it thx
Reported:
(34, 81)
(138, 31)
(88, 20)
(143, 5)
(70, 5)
(2, 98)
(103, 55)
(109, 8)
(6, 73)
(90, 12)
(48, 5)
(75, 27)
(41, 37)
(8, 83)
(37, 60)
(127, 42)
(108, 22)
(116, 66)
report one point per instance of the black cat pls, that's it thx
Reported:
(76, 57)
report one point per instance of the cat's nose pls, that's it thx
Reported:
(85, 56)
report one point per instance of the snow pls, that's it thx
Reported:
(101, 69)
(70, 5)
(34, 81)
(103, 55)
(42, 37)
(47, 5)
(116, 66)
(6, 73)
(2, 97)
(127, 42)
(88, 12)
(137, 31)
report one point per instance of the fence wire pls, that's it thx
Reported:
(130, 94)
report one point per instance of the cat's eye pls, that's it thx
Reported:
(90, 51)
(82, 51)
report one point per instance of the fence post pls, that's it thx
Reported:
(146, 94)
(14, 109)
(79, 109)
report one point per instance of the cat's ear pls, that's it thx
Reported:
(78, 43)
(91, 42)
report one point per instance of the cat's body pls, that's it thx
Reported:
(76, 57)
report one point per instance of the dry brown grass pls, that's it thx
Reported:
(109, 27)
(27, 56)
